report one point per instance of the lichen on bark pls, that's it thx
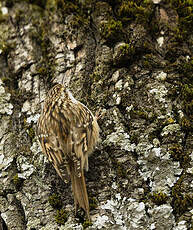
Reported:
(131, 59)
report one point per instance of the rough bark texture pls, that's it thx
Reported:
(132, 59)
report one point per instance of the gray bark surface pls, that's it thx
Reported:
(133, 61)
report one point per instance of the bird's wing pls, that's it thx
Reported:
(64, 133)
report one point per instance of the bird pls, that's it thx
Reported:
(68, 133)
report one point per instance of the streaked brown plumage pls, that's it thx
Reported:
(68, 132)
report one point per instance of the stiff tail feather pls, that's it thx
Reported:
(80, 191)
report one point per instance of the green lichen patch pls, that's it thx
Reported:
(6, 47)
(111, 30)
(6, 80)
(140, 10)
(61, 217)
(86, 224)
(31, 133)
(169, 121)
(17, 181)
(159, 198)
(42, 71)
(55, 201)
(78, 20)
(125, 48)
(123, 53)
(139, 114)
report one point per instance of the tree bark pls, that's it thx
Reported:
(133, 61)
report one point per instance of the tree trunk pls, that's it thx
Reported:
(133, 61)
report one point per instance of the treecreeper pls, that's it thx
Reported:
(68, 132)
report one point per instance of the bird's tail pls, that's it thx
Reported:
(79, 190)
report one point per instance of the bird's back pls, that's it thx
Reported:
(67, 132)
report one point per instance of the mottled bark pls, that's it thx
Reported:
(133, 61)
